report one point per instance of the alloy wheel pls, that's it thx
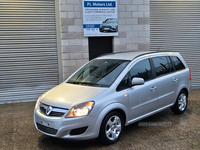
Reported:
(182, 102)
(113, 127)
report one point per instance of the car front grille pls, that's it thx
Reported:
(56, 114)
(47, 129)
(106, 26)
(56, 111)
(43, 110)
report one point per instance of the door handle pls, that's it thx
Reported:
(153, 88)
(175, 80)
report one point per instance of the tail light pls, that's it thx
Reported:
(190, 75)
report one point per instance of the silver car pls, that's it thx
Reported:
(113, 91)
(109, 25)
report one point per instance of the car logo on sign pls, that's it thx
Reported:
(48, 110)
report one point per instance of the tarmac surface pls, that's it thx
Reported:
(161, 131)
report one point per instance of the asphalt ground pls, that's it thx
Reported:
(161, 131)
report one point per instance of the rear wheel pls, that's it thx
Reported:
(181, 103)
(111, 128)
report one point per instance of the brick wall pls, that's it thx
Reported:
(134, 34)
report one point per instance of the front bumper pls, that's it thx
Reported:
(107, 28)
(61, 127)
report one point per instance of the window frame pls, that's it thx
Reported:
(169, 58)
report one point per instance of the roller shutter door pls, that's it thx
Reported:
(175, 26)
(28, 49)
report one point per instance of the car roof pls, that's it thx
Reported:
(130, 55)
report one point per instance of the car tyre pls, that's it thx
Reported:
(111, 128)
(181, 103)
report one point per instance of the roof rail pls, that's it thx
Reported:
(127, 52)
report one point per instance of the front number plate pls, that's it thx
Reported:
(45, 123)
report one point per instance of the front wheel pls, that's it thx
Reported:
(111, 128)
(181, 103)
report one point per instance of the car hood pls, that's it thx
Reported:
(67, 95)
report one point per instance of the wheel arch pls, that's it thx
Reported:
(183, 87)
(110, 108)
(175, 108)
(121, 112)
(186, 90)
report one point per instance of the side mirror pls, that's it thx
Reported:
(137, 81)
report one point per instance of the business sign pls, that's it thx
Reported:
(100, 18)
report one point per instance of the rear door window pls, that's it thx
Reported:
(162, 65)
(177, 63)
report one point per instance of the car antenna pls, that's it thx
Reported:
(159, 48)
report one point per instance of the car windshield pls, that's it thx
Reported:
(99, 72)
(111, 21)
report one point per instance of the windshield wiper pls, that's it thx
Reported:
(84, 83)
(71, 82)
(87, 83)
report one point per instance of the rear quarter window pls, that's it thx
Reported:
(177, 63)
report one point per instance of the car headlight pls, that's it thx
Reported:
(113, 26)
(101, 26)
(79, 110)
(38, 101)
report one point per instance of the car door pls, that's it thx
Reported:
(142, 98)
(166, 82)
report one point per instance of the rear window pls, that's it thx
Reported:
(177, 63)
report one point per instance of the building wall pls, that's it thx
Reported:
(134, 34)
